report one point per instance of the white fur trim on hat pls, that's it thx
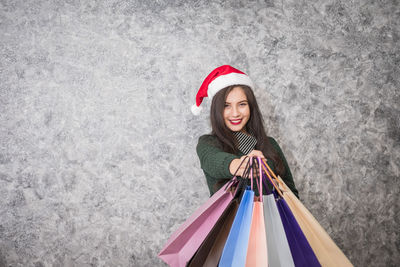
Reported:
(227, 80)
(196, 110)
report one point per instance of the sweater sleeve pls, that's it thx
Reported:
(287, 178)
(213, 160)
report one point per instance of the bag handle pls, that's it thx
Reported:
(256, 166)
(264, 180)
(248, 173)
(257, 177)
(239, 183)
(251, 173)
(277, 178)
(269, 176)
(262, 176)
(260, 189)
(234, 178)
(240, 165)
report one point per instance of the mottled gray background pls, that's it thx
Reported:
(97, 142)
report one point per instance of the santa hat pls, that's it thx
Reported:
(218, 79)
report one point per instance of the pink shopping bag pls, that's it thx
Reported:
(185, 241)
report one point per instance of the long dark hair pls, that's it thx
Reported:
(255, 126)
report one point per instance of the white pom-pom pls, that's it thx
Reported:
(196, 110)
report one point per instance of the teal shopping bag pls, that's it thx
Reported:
(235, 249)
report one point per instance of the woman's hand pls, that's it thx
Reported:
(236, 162)
(233, 167)
(256, 153)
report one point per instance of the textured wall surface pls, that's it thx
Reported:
(97, 142)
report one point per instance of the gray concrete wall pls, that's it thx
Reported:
(97, 142)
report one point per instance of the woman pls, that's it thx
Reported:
(237, 130)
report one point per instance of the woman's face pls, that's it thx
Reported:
(237, 110)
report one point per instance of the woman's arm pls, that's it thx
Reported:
(213, 160)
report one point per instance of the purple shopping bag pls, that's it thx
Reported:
(185, 241)
(302, 253)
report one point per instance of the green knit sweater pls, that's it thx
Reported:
(215, 163)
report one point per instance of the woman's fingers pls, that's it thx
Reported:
(256, 153)
(238, 166)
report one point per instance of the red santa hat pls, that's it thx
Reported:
(218, 79)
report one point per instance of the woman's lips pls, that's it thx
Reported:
(236, 122)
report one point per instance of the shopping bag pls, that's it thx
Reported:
(327, 252)
(210, 251)
(279, 254)
(185, 241)
(257, 255)
(235, 249)
(301, 251)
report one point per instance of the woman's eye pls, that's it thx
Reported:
(243, 104)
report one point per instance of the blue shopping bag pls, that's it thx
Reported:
(235, 249)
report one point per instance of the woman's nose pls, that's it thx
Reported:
(235, 111)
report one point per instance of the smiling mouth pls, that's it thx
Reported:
(235, 122)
